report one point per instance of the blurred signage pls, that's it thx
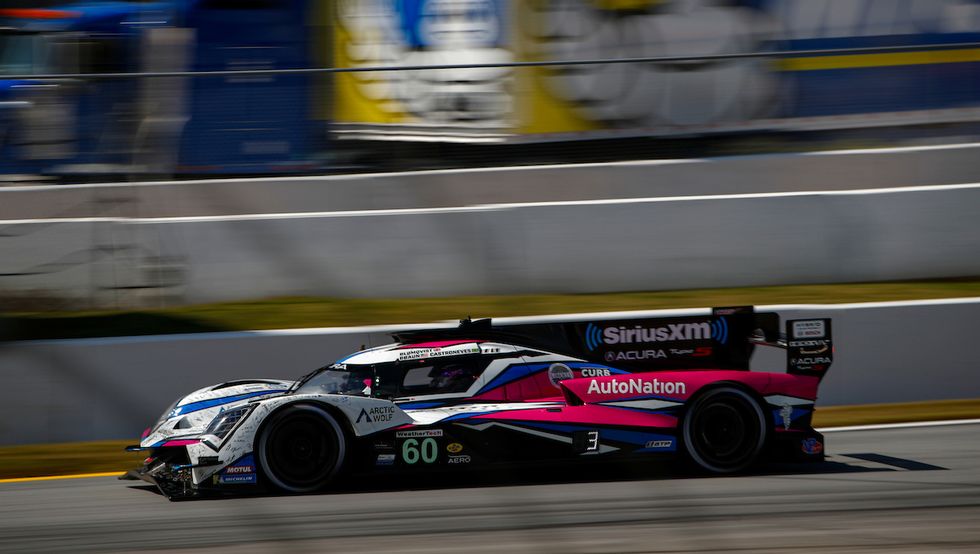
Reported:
(652, 98)
(422, 32)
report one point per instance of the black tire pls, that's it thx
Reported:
(724, 430)
(301, 448)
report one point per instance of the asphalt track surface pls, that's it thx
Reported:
(894, 490)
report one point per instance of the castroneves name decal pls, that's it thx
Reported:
(636, 386)
(436, 352)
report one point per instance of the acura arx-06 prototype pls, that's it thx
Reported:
(481, 394)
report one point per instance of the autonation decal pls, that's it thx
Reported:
(636, 386)
(672, 332)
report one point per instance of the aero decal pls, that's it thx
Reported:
(561, 438)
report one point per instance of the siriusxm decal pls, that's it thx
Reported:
(671, 332)
(593, 336)
(719, 330)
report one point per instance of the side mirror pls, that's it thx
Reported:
(384, 386)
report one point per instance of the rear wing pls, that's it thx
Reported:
(725, 339)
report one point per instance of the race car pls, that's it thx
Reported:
(480, 394)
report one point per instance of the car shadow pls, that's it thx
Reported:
(541, 473)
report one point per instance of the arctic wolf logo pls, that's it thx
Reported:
(377, 414)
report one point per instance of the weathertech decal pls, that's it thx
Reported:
(419, 433)
(636, 386)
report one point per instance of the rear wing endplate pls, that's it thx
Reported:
(809, 347)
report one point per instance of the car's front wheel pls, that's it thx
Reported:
(301, 448)
(724, 430)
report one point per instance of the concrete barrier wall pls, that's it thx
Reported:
(831, 170)
(588, 246)
(113, 388)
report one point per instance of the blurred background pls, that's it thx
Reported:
(205, 169)
(88, 126)
(102, 96)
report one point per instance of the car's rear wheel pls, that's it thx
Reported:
(301, 448)
(724, 430)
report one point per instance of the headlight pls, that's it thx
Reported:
(167, 414)
(225, 421)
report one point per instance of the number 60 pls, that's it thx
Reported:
(428, 452)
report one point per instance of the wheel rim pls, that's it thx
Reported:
(725, 431)
(301, 450)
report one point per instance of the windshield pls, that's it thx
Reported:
(338, 379)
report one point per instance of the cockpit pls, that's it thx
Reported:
(398, 379)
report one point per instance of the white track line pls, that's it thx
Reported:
(499, 206)
(909, 425)
(674, 161)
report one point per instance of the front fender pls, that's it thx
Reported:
(364, 416)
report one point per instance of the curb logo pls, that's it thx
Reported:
(454, 447)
